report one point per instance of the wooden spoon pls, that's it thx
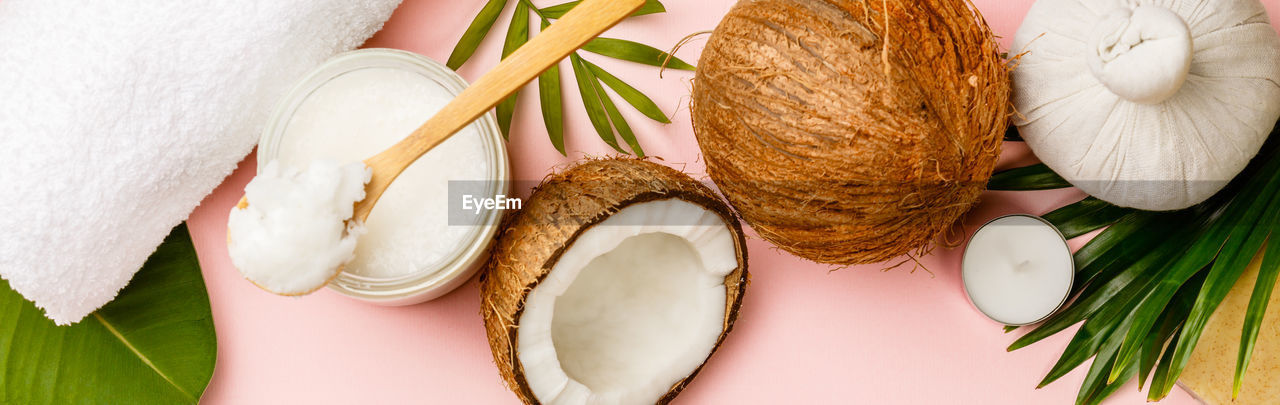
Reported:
(586, 21)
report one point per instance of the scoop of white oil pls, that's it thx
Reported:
(362, 112)
(292, 235)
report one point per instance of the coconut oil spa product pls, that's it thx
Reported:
(416, 244)
(297, 233)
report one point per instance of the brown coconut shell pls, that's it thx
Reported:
(562, 208)
(838, 145)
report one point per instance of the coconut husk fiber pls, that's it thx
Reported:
(851, 132)
(564, 206)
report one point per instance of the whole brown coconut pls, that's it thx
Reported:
(846, 134)
(550, 227)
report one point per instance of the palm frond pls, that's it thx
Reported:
(1147, 284)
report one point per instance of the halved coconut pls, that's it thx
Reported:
(614, 284)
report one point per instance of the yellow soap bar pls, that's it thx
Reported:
(1210, 372)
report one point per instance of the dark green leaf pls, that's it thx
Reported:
(1098, 396)
(634, 97)
(1193, 260)
(1088, 269)
(591, 99)
(552, 106)
(1152, 346)
(1160, 384)
(1107, 325)
(1107, 309)
(557, 11)
(1115, 245)
(1110, 299)
(1153, 278)
(1085, 216)
(1240, 217)
(552, 103)
(1262, 290)
(620, 123)
(475, 33)
(153, 344)
(518, 31)
(635, 52)
(550, 95)
(1170, 321)
(1034, 177)
(1083, 345)
(517, 35)
(1113, 284)
(1095, 381)
(650, 7)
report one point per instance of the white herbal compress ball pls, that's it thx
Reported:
(1147, 104)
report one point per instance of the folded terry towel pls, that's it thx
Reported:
(118, 117)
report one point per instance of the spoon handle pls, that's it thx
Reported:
(583, 23)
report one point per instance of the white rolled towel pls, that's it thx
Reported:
(118, 117)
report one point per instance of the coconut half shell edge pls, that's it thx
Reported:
(564, 206)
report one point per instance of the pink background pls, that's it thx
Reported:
(806, 334)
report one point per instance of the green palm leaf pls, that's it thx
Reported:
(1170, 321)
(1193, 260)
(1087, 215)
(517, 35)
(1106, 312)
(1095, 385)
(475, 33)
(552, 103)
(641, 102)
(591, 99)
(1034, 177)
(1096, 395)
(1105, 268)
(1262, 290)
(1117, 246)
(619, 123)
(1228, 268)
(604, 115)
(1160, 381)
(1147, 284)
(557, 11)
(153, 344)
(635, 52)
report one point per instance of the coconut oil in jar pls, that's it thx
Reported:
(416, 246)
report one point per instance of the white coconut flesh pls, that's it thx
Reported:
(633, 306)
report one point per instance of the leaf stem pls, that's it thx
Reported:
(536, 10)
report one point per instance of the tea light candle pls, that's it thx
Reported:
(1017, 269)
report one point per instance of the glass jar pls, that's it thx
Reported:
(440, 274)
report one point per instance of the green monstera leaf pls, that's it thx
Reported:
(153, 344)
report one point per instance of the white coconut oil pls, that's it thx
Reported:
(359, 113)
(292, 232)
